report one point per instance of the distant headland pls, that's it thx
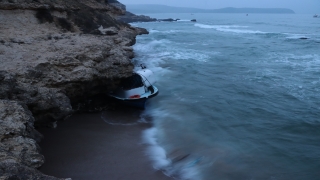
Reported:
(153, 8)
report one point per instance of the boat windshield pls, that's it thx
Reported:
(131, 82)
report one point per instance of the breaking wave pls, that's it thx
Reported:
(230, 28)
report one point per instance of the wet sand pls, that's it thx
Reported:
(86, 147)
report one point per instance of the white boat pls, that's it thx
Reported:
(137, 89)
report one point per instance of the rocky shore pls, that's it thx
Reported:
(129, 17)
(54, 55)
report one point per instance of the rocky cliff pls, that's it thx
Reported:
(53, 54)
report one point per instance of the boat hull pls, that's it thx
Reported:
(138, 102)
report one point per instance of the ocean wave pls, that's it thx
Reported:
(155, 152)
(230, 28)
(151, 45)
(184, 20)
(300, 80)
(296, 36)
(206, 26)
(157, 51)
(303, 60)
(190, 55)
(308, 64)
(310, 38)
(153, 31)
(120, 121)
(146, 54)
(241, 31)
(174, 164)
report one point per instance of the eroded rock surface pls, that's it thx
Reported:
(19, 152)
(54, 53)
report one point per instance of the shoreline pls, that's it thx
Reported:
(85, 147)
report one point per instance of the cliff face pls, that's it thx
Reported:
(54, 53)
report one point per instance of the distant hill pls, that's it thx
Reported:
(153, 8)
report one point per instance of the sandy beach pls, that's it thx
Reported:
(85, 146)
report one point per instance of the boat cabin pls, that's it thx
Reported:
(136, 85)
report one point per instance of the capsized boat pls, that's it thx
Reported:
(137, 89)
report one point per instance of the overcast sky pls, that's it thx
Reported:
(299, 6)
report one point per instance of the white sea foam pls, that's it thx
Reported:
(172, 31)
(156, 153)
(184, 169)
(296, 36)
(152, 31)
(172, 161)
(147, 55)
(230, 28)
(303, 66)
(303, 60)
(207, 26)
(240, 31)
(150, 46)
(156, 52)
(182, 55)
(190, 173)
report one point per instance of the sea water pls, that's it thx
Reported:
(239, 96)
